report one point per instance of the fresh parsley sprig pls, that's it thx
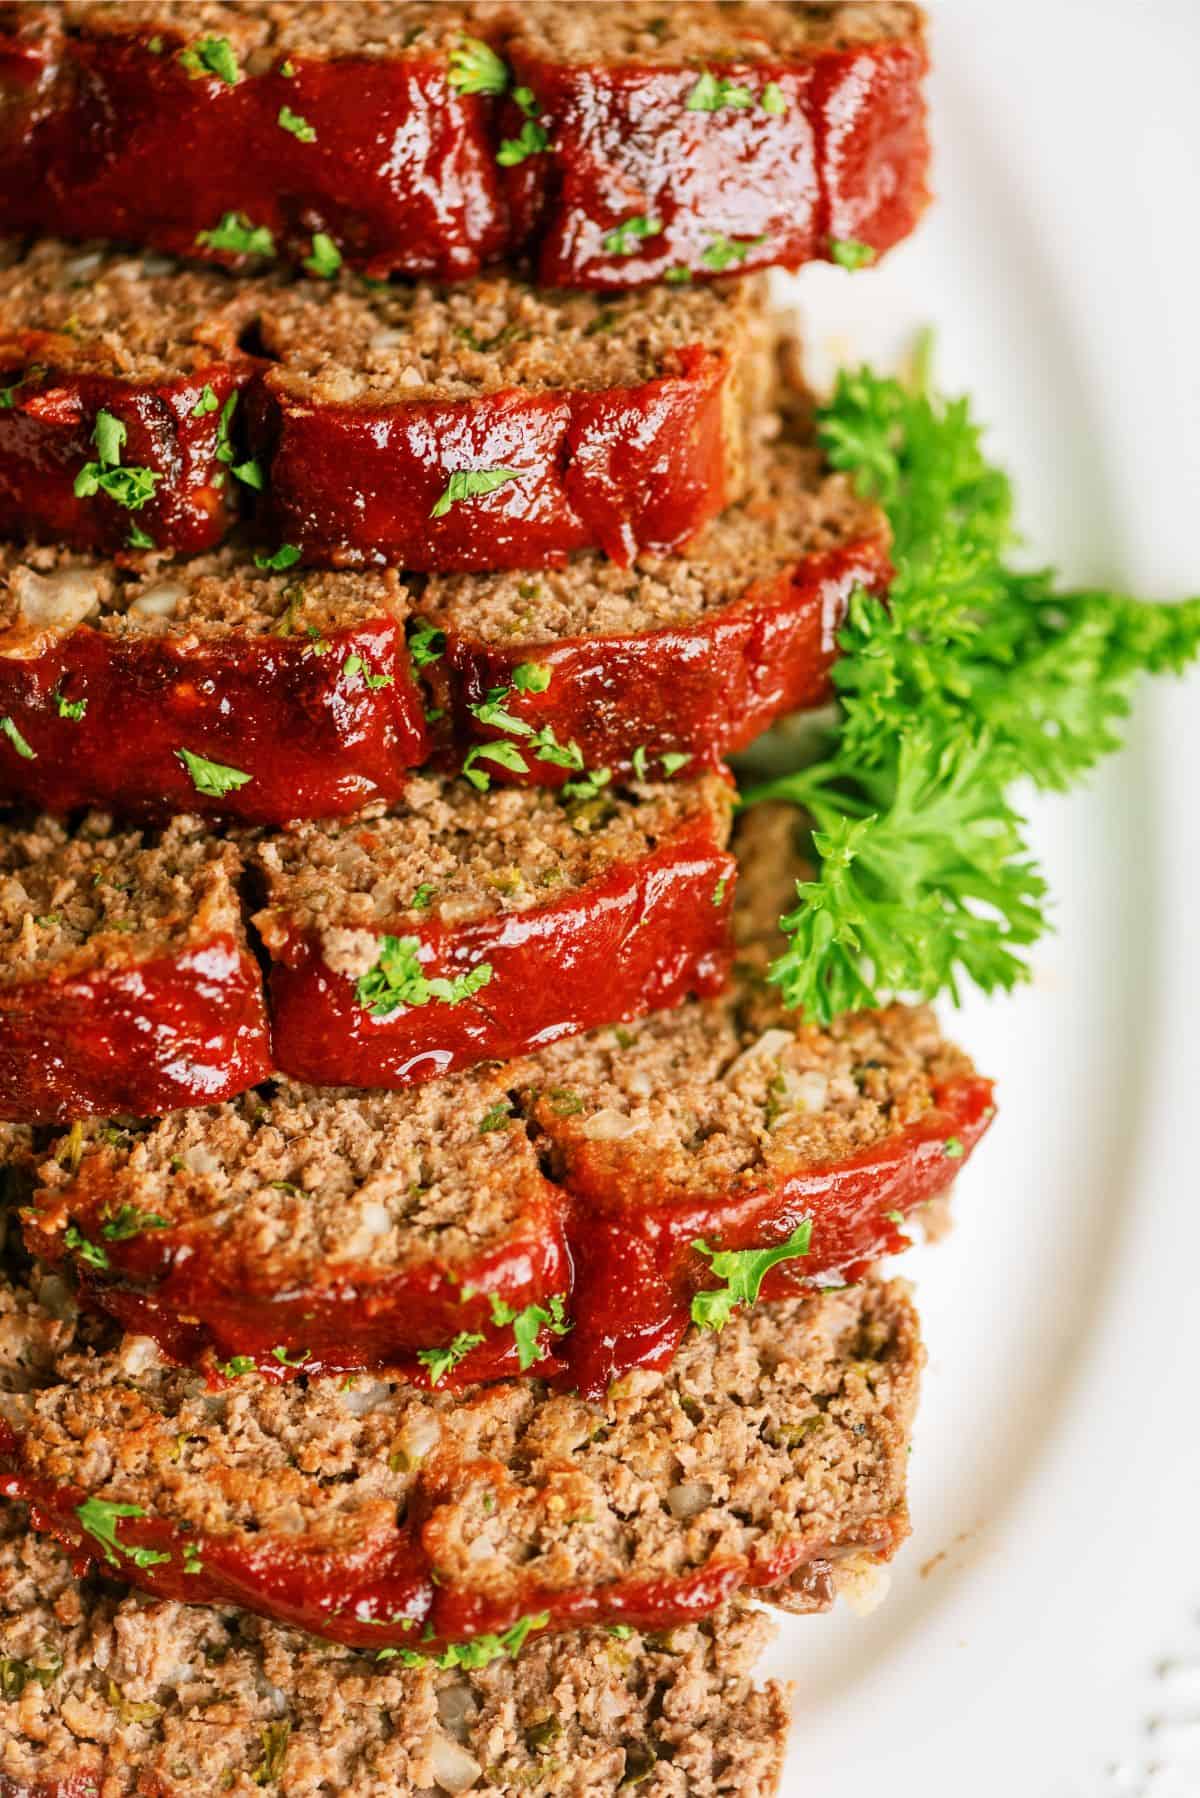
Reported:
(973, 676)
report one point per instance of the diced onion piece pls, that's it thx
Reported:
(688, 1499)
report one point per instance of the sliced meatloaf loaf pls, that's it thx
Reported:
(104, 1690)
(126, 984)
(479, 427)
(464, 924)
(771, 1454)
(613, 145)
(373, 1229)
(210, 686)
(686, 658)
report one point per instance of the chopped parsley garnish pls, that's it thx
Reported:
(286, 556)
(222, 447)
(672, 761)
(531, 677)
(547, 748)
(847, 252)
(439, 1361)
(138, 538)
(100, 1517)
(719, 891)
(724, 252)
(191, 1558)
(426, 645)
(624, 239)
(73, 709)
(894, 1217)
(528, 1323)
(325, 259)
(422, 897)
(250, 474)
(480, 1651)
(397, 980)
(491, 711)
(211, 56)
(495, 1119)
(476, 69)
(212, 778)
(472, 483)
(356, 664)
(678, 276)
(505, 755)
(129, 1221)
(208, 402)
(290, 1357)
(953, 1148)
(773, 99)
(299, 128)
(711, 92)
(237, 236)
(9, 729)
(235, 1368)
(531, 141)
(743, 1271)
(92, 1254)
(590, 783)
(130, 487)
(975, 675)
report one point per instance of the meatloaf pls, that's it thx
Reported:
(126, 983)
(484, 426)
(103, 1689)
(210, 686)
(771, 1454)
(612, 145)
(686, 658)
(464, 924)
(373, 1229)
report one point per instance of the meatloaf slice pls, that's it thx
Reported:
(771, 1454)
(126, 984)
(493, 426)
(613, 145)
(709, 1129)
(106, 1690)
(372, 1228)
(114, 429)
(464, 925)
(683, 657)
(210, 686)
(484, 426)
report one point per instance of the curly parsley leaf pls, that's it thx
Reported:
(743, 1271)
(973, 676)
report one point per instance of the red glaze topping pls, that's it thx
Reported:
(699, 689)
(620, 469)
(314, 741)
(844, 158)
(383, 1592)
(46, 439)
(639, 939)
(105, 137)
(139, 1037)
(400, 173)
